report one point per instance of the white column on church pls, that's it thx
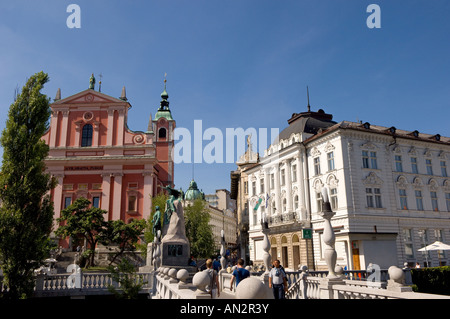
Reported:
(110, 129)
(148, 191)
(117, 203)
(106, 189)
(95, 134)
(57, 195)
(120, 127)
(64, 128)
(53, 128)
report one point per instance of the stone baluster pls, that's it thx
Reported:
(329, 238)
(266, 248)
(222, 251)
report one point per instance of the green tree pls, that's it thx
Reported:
(79, 219)
(198, 230)
(125, 276)
(26, 213)
(125, 236)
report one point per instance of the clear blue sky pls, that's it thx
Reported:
(239, 63)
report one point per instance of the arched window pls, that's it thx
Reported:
(162, 133)
(86, 136)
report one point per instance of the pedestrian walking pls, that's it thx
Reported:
(239, 274)
(278, 281)
(213, 288)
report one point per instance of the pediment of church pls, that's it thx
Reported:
(87, 97)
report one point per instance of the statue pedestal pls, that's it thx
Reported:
(175, 248)
(175, 253)
(325, 287)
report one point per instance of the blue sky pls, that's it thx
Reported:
(239, 63)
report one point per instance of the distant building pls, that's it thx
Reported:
(94, 154)
(389, 188)
(223, 216)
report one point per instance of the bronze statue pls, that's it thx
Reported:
(170, 207)
(156, 221)
(92, 82)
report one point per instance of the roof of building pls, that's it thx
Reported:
(390, 131)
(307, 122)
(193, 192)
(163, 110)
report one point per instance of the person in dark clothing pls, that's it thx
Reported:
(239, 274)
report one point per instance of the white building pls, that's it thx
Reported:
(388, 187)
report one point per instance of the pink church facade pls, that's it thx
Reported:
(93, 154)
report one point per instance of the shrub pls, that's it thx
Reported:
(434, 280)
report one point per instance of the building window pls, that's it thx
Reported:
(261, 185)
(447, 199)
(373, 160)
(407, 238)
(443, 169)
(294, 173)
(319, 201)
(316, 166)
(272, 181)
(434, 201)
(330, 160)
(333, 198)
(132, 200)
(253, 188)
(86, 136)
(403, 199)
(96, 201)
(282, 177)
(67, 201)
(296, 202)
(284, 205)
(373, 197)
(162, 133)
(429, 166)
(419, 200)
(369, 159)
(414, 168)
(398, 163)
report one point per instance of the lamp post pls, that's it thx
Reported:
(422, 234)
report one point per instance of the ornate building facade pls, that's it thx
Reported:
(94, 154)
(389, 188)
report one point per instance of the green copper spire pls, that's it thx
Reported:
(163, 110)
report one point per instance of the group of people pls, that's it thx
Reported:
(277, 278)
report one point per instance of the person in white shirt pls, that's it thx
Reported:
(278, 281)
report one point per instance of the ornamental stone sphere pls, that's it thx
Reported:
(172, 273)
(201, 280)
(396, 274)
(253, 288)
(182, 275)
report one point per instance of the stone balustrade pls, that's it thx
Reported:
(176, 283)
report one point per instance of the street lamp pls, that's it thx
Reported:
(422, 234)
